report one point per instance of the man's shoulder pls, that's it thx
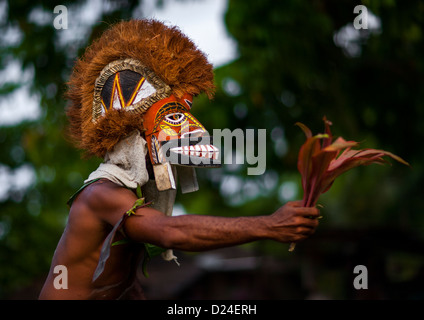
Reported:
(105, 184)
(104, 193)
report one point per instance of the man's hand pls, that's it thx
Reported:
(292, 222)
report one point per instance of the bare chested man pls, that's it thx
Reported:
(133, 88)
(100, 206)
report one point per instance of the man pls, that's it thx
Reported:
(133, 89)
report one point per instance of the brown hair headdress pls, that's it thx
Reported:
(156, 60)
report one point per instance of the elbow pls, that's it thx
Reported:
(160, 236)
(169, 238)
(158, 232)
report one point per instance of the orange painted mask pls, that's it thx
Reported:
(174, 135)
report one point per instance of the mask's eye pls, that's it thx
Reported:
(124, 89)
(127, 84)
(175, 118)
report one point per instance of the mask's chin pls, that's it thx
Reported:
(191, 151)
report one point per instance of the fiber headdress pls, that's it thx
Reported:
(107, 94)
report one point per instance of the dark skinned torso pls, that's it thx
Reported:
(92, 216)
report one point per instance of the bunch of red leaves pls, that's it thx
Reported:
(321, 160)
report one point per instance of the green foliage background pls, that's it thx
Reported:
(289, 68)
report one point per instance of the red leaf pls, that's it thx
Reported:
(320, 164)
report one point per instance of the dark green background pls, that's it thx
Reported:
(288, 69)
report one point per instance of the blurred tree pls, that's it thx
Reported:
(301, 60)
(297, 61)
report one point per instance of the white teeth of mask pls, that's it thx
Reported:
(205, 151)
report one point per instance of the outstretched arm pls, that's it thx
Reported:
(290, 223)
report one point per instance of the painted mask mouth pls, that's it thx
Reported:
(197, 152)
(208, 151)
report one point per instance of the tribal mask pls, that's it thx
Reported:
(173, 134)
(142, 75)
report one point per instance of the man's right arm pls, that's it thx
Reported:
(290, 223)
